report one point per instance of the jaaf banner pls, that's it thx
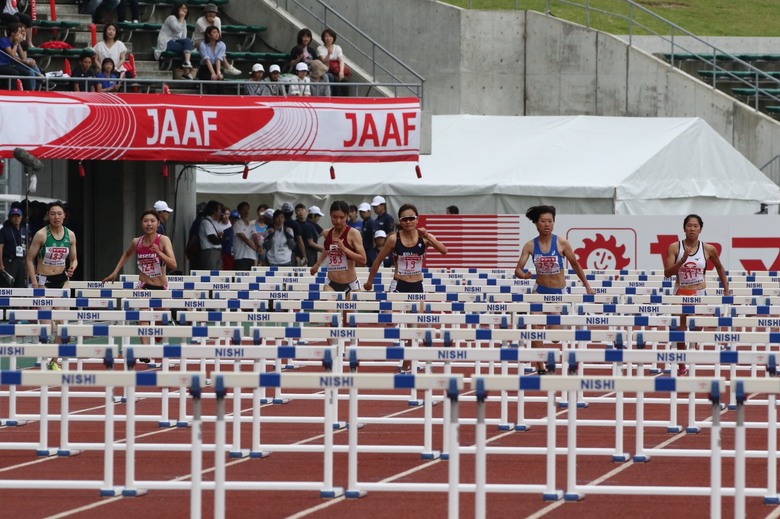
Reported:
(218, 129)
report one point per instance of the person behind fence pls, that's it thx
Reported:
(280, 242)
(210, 235)
(212, 52)
(300, 85)
(112, 48)
(83, 71)
(687, 260)
(310, 232)
(13, 57)
(210, 18)
(332, 56)
(318, 74)
(547, 252)
(303, 52)
(11, 14)
(380, 237)
(107, 74)
(245, 248)
(13, 248)
(173, 38)
(343, 248)
(275, 86)
(255, 86)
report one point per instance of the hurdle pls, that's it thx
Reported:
(575, 491)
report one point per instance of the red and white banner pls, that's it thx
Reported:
(217, 129)
(474, 241)
(603, 242)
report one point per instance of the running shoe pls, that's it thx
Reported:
(186, 64)
(232, 71)
(186, 75)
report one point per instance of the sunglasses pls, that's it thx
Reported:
(408, 218)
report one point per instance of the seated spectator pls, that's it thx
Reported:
(255, 86)
(210, 19)
(303, 52)
(318, 74)
(12, 14)
(83, 70)
(13, 58)
(300, 85)
(135, 14)
(112, 48)
(275, 86)
(107, 73)
(212, 52)
(92, 7)
(173, 37)
(332, 56)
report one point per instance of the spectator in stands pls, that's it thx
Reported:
(280, 242)
(384, 220)
(275, 87)
(210, 19)
(354, 220)
(244, 247)
(300, 85)
(162, 208)
(256, 86)
(173, 37)
(11, 14)
(112, 48)
(332, 56)
(83, 70)
(453, 209)
(92, 7)
(303, 52)
(107, 73)
(210, 235)
(379, 241)
(311, 232)
(320, 83)
(212, 52)
(135, 14)
(369, 225)
(13, 58)
(13, 248)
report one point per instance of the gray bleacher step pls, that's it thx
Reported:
(64, 11)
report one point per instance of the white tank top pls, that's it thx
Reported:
(692, 271)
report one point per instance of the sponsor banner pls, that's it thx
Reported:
(217, 129)
(604, 242)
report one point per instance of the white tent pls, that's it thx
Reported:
(503, 165)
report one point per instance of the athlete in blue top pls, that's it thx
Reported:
(547, 252)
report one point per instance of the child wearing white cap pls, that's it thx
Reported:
(300, 85)
(275, 86)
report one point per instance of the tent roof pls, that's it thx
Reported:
(639, 164)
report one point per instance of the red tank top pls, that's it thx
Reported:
(337, 259)
(147, 259)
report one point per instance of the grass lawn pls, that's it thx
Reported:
(700, 17)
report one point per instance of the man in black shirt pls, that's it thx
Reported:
(384, 221)
(13, 251)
